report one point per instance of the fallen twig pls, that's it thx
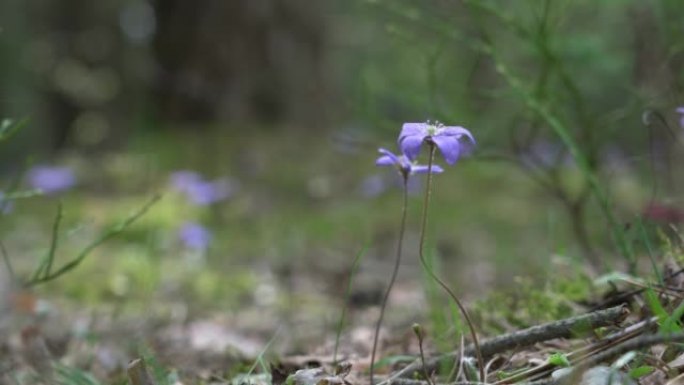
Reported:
(558, 329)
(406, 381)
(634, 344)
(584, 352)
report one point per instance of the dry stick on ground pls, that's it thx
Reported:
(660, 289)
(637, 343)
(559, 329)
(624, 297)
(406, 381)
(584, 352)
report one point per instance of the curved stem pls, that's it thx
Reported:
(397, 262)
(421, 247)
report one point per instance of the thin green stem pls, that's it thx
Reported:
(419, 333)
(102, 238)
(421, 248)
(397, 262)
(8, 264)
(55, 239)
(45, 266)
(340, 324)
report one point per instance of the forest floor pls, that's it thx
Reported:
(264, 303)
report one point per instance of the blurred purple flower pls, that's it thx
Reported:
(194, 236)
(373, 186)
(545, 154)
(446, 138)
(199, 191)
(51, 179)
(376, 185)
(403, 164)
(183, 180)
(205, 193)
(680, 111)
(6, 206)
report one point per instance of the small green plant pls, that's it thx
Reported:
(68, 375)
(44, 272)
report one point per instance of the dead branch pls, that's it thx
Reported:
(565, 328)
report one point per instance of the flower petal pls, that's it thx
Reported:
(387, 159)
(412, 129)
(456, 131)
(389, 153)
(410, 145)
(411, 138)
(449, 147)
(680, 110)
(424, 169)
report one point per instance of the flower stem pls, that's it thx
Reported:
(421, 247)
(397, 262)
(418, 330)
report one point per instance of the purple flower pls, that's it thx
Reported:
(183, 180)
(405, 166)
(199, 191)
(194, 236)
(680, 111)
(446, 138)
(205, 193)
(51, 179)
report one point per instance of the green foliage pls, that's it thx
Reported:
(529, 303)
(657, 308)
(160, 373)
(67, 375)
(390, 361)
(672, 323)
(523, 72)
(559, 359)
(44, 274)
(641, 371)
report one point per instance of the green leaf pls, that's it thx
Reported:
(559, 359)
(672, 324)
(655, 305)
(393, 360)
(669, 323)
(641, 371)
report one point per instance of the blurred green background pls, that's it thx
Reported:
(288, 101)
